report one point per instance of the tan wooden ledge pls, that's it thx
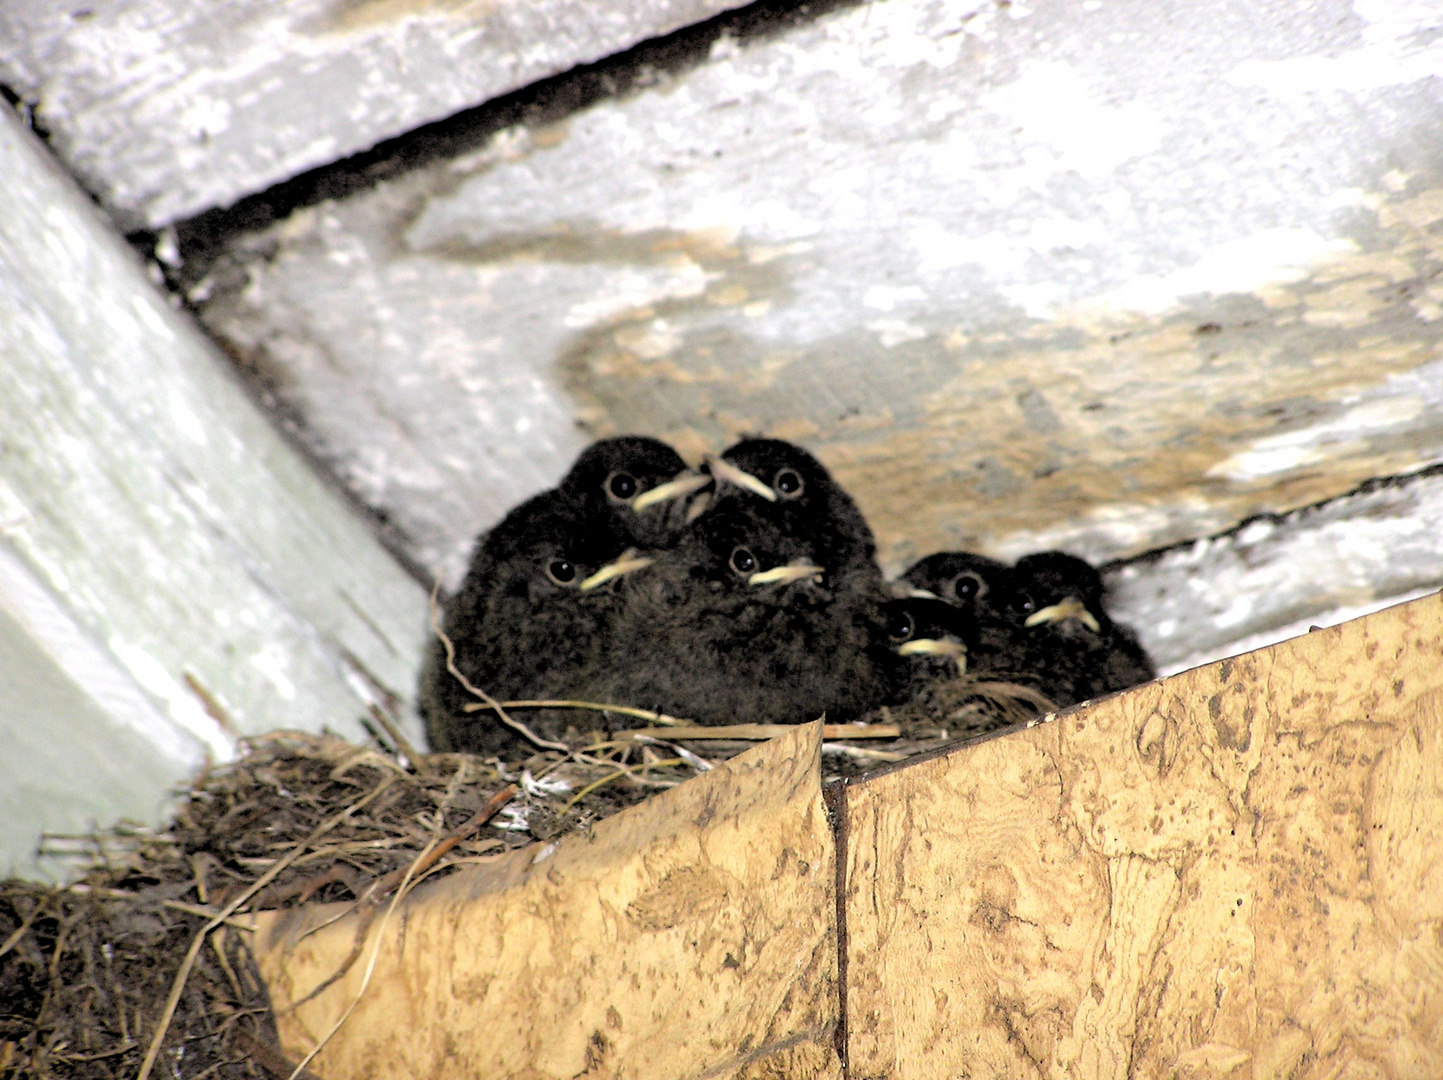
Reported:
(1233, 873)
(692, 935)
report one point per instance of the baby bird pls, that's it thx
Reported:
(539, 608)
(741, 622)
(981, 588)
(788, 485)
(1066, 635)
(932, 641)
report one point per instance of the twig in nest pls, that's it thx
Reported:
(625, 770)
(14, 939)
(770, 731)
(411, 872)
(178, 986)
(696, 761)
(862, 753)
(495, 705)
(594, 706)
(403, 745)
(420, 866)
(384, 885)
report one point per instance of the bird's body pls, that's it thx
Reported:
(738, 623)
(538, 612)
(1067, 635)
(1041, 623)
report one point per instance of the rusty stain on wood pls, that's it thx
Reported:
(1232, 872)
(690, 936)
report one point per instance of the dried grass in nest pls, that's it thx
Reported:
(138, 969)
(88, 972)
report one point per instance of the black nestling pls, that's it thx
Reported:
(740, 622)
(790, 486)
(538, 608)
(1067, 638)
(980, 587)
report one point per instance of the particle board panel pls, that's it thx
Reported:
(1234, 872)
(693, 935)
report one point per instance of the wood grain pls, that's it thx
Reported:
(1235, 872)
(693, 935)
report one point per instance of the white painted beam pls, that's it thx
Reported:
(182, 540)
(1276, 576)
(167, 108)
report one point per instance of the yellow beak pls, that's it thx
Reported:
(936, 647)
(1071, 608)
(679, 488)
(726, 472)
(630, 561)
(798, 572)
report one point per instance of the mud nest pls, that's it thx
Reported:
(139, 967)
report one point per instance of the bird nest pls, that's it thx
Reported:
(137, 969)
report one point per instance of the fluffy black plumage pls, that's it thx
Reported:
(809, 504)
(931, 640)
(1040, 623)
(982, 589)
(608, 476)
(742, 622)
(522, 624)
(1071, 642)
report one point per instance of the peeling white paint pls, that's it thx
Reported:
(273, 662)
(1248, 264)
(1310, 445)
(1063, 126)
(1321, 620)
(51, 627)
(183, 707)
(1391, 55)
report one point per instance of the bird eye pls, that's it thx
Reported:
(788, 483)
(900, 626)
(967, 587)
(743, 561)
(621, 485)
(1026, 604)
(561, 571)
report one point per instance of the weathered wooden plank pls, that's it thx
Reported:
(78, 740)
(156, 505)
(1234, 872)
(692, 935)
(164, 109)
(1001, 325)
(1273, 577)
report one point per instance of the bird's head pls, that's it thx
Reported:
(633, 487)
(547, 550)
(930, 636)
(963, 578)
(1060, 591)
(784, 483)
(751, 554)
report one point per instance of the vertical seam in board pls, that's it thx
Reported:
(834, 797)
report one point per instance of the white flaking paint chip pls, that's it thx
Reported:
(272, 662)
(894, 332)
(887, 297)
(1054, 107)
(1249, 264)
(1390, 55)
